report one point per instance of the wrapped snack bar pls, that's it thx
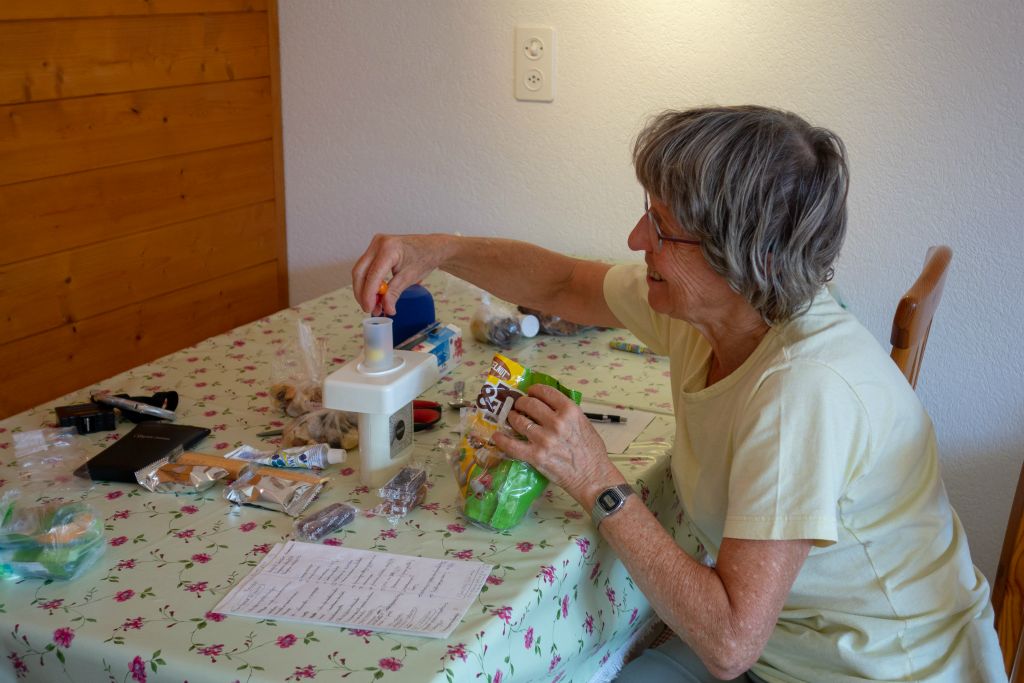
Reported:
(274, 493)
(402, 493)
(165, 477)
(325, 521)
(497, 491)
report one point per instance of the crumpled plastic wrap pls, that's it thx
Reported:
(164, 477)
(274, 493)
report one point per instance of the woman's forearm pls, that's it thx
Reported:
(726, 626)
(531, 276)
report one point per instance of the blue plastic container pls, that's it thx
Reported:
(414, 311)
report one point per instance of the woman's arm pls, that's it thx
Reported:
(522, 273)
(725, 613)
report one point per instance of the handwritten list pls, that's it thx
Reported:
(358, 589)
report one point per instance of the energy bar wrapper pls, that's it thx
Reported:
(274, 493)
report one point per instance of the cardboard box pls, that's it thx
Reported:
(446, 344)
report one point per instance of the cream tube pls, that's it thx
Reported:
(317, 455)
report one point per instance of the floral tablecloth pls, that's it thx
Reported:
(555, 607)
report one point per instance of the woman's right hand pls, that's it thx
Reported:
(400, 260)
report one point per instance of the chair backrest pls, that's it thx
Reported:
(913, 319)
(1008, 590)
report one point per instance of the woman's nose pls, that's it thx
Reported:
(639, 236)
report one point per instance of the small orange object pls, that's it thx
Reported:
(383, 289)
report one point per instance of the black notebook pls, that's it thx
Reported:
(144, 445)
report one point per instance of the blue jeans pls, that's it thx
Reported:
(673, 662)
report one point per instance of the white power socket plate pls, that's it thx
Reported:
(535, 63)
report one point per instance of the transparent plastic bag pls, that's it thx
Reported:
(47, 462)
(55, 540)
(498, 323)
(403, 493)
(297, 373)
(337, 428)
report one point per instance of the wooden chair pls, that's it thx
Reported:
(1008, 590)
(913, 319)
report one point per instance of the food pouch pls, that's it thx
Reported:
(496, 490)
(56, 540)
(272, 492)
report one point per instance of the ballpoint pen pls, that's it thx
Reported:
(600, 417)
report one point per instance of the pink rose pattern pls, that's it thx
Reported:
(196, 543)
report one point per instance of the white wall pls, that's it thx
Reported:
(399, 116)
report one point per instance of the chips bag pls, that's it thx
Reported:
(496, 490)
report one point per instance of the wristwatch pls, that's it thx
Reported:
(609, 502)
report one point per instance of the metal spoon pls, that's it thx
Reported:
(460, 396)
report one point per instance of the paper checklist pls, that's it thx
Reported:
(358, 589)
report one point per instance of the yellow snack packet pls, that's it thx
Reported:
(491, 408)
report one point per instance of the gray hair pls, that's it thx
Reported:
(764, 192)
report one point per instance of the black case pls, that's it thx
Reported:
(143, 445)
(87, 418)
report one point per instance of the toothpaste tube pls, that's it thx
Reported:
(312, 456)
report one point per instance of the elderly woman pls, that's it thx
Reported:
(804, 462)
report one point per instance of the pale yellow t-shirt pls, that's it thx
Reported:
(818, 436)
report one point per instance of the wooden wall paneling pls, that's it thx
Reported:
(43, 293)
(64, 212)
(58, 9)
(71, 356)
(278, 143)
(60, 58)
(141, 184)
(57, 137)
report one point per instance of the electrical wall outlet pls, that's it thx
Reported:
(535, 64)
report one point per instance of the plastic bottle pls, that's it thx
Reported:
(501, 325)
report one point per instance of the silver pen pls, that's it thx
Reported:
(136, 406)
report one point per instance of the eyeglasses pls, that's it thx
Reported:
(659, 238)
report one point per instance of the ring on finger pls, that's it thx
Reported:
(529, 427)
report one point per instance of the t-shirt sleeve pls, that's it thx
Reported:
(797, 446)
(625, 292)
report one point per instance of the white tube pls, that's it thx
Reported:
(315, 455)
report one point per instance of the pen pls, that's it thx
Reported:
(600, 417)
(136, 406)
(420, 336)
(631, 348)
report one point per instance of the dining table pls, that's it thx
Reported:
(556, 604)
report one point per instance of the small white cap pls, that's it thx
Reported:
(335, 455)
(529, 325)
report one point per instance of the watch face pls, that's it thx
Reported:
(609, 500)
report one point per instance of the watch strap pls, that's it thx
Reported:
(599, 513)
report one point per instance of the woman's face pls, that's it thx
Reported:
(680, 282)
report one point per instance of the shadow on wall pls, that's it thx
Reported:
(982, 493)
(311, 282)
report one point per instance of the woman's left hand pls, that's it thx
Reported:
(561, 443)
